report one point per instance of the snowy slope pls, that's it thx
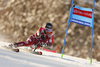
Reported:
(24, 59)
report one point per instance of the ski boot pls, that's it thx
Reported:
(32, 47)
(13, 47)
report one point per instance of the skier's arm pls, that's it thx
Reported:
(41, 33)
(49, 42)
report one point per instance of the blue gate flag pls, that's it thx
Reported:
(82, 16)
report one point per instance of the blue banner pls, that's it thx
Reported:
(82, 16)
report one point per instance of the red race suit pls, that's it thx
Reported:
(36, 40)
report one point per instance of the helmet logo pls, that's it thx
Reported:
(49, 25)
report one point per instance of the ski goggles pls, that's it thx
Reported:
(48, 30)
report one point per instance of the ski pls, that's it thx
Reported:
(13, 49)
(37, 52)
(34, 52)
(17, 50)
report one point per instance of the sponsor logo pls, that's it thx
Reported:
(27, 42)
(30, 40)
(80, 22)
(87, 14)
(20, 44)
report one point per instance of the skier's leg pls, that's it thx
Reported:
(35, 46)
(32, 47)
(29, 42)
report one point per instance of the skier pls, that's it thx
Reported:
(43, 37)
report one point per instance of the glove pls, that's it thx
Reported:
(43, 44)
(48, 45)
(42, 37)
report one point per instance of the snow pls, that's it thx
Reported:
(9, 58)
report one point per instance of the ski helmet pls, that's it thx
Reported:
(48, 25)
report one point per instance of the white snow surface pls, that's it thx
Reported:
(9, 58)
